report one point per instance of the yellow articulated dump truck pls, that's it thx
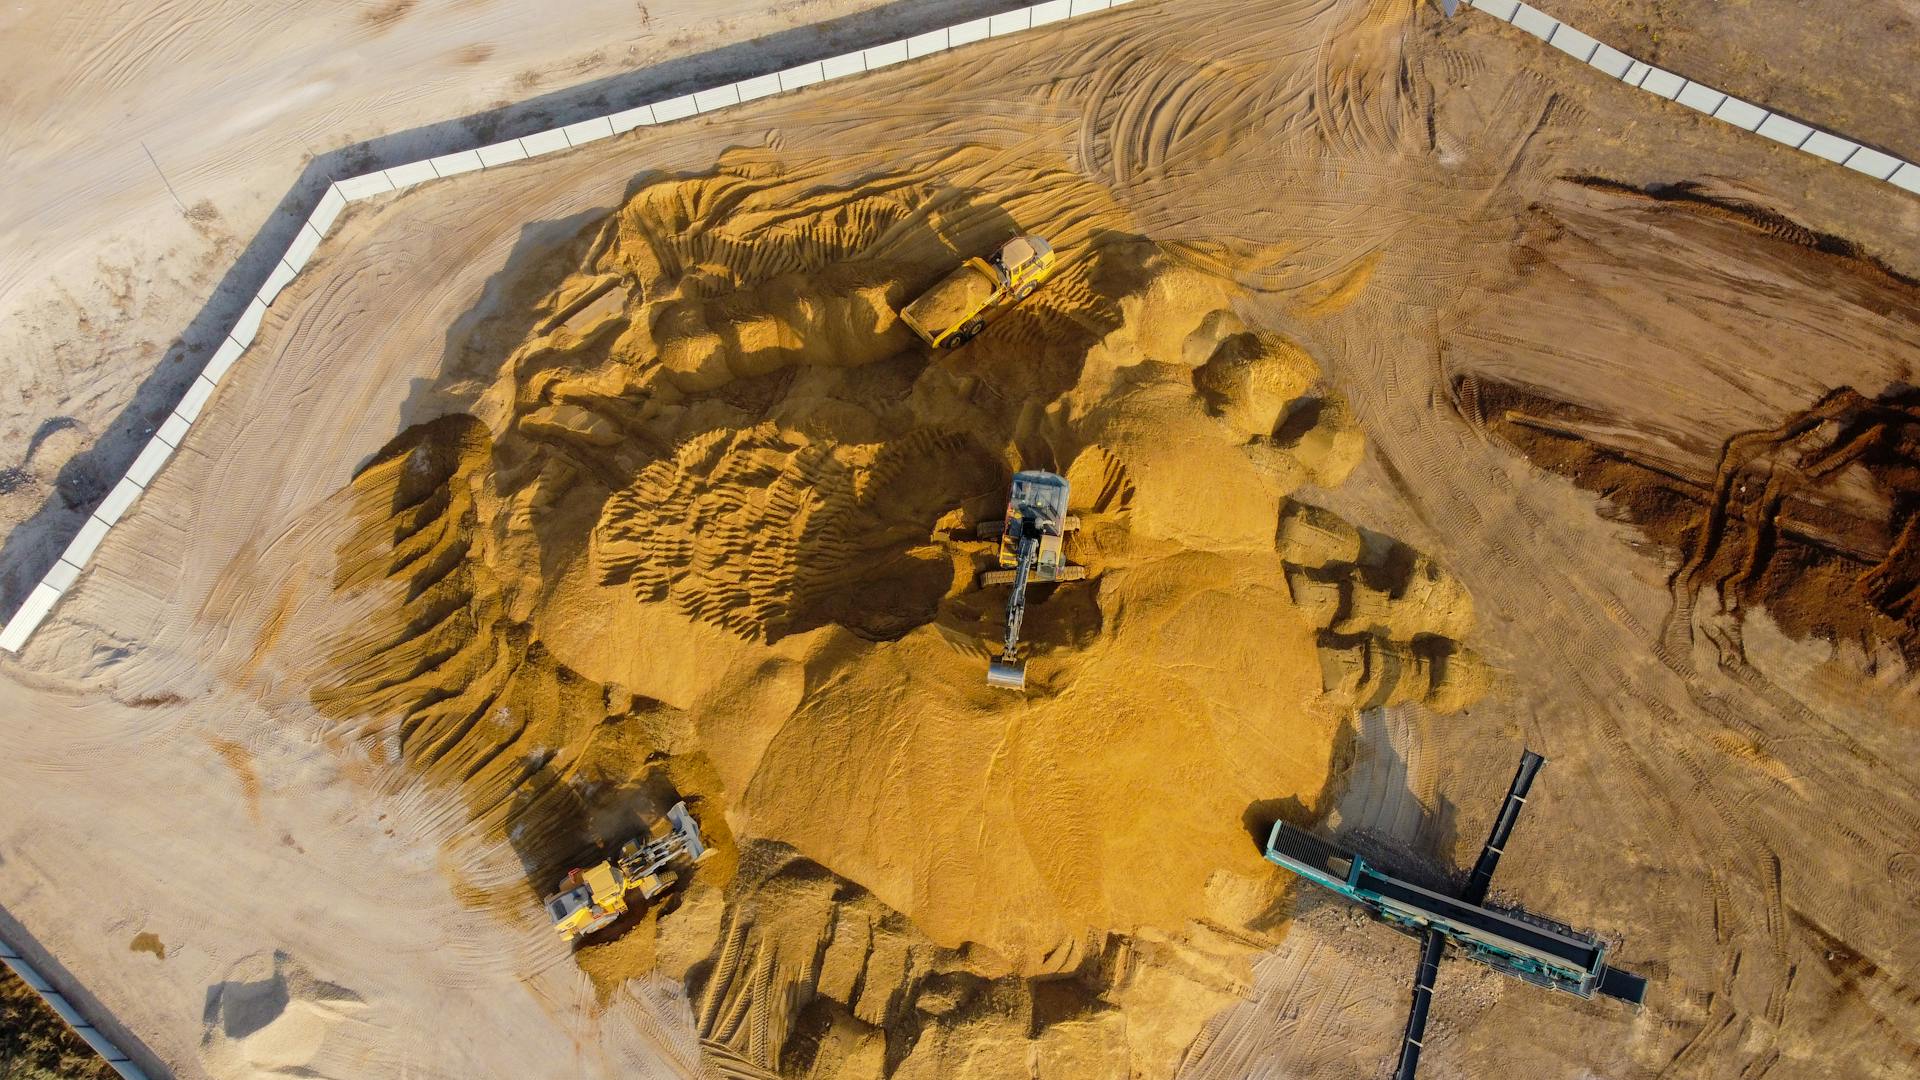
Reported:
(954, 312)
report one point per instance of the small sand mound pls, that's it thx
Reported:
(271, 1018)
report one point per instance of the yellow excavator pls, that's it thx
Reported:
(591, 899)
(954, 312)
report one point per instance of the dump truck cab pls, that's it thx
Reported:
(956, 309)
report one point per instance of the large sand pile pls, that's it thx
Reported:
(706, 529)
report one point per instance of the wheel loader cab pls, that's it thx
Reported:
(589, 899)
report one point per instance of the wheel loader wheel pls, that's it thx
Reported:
(997, 577)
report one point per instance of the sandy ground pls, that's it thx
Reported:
(323, 708)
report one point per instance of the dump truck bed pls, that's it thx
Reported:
(958, 297)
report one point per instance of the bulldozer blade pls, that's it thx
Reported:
(1007, 674)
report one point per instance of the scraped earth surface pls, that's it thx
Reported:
(1422, 394)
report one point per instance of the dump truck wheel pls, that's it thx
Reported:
(1026, 290)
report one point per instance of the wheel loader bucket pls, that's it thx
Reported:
(689, 831)
(1007, 674)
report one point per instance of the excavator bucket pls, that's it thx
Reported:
(1007, 674)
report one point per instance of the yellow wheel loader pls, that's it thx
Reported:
(954, 312)
(591, 899)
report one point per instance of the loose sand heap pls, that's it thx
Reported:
(272, 1018)
(709, 530)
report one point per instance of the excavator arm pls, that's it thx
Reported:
(1008, 671)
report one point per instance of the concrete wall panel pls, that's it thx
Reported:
(85, 542)
(147, 465)
(249, 324)
(302, 247)
(1010, 22)
(1700, 96)
(13, 639)
(355, 188)
(587, 131)
(926, 44)
(720, 97)
(277, 280)
(1573, 43)
(640, 116)
(1051, 11)
(173, 429)
(1534, 21)
(794, 78)
(544, 142)
(1874, 163)
(195, 399)
(221, 361)
(674, 109)
(1780, 129)
(1612, 61)
(330, 205)
(413, 172)
(967, 33)
(893, 52)
(1831, 147)
(117, 501)
(457, 163)
(501, 153)
(759, 87)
